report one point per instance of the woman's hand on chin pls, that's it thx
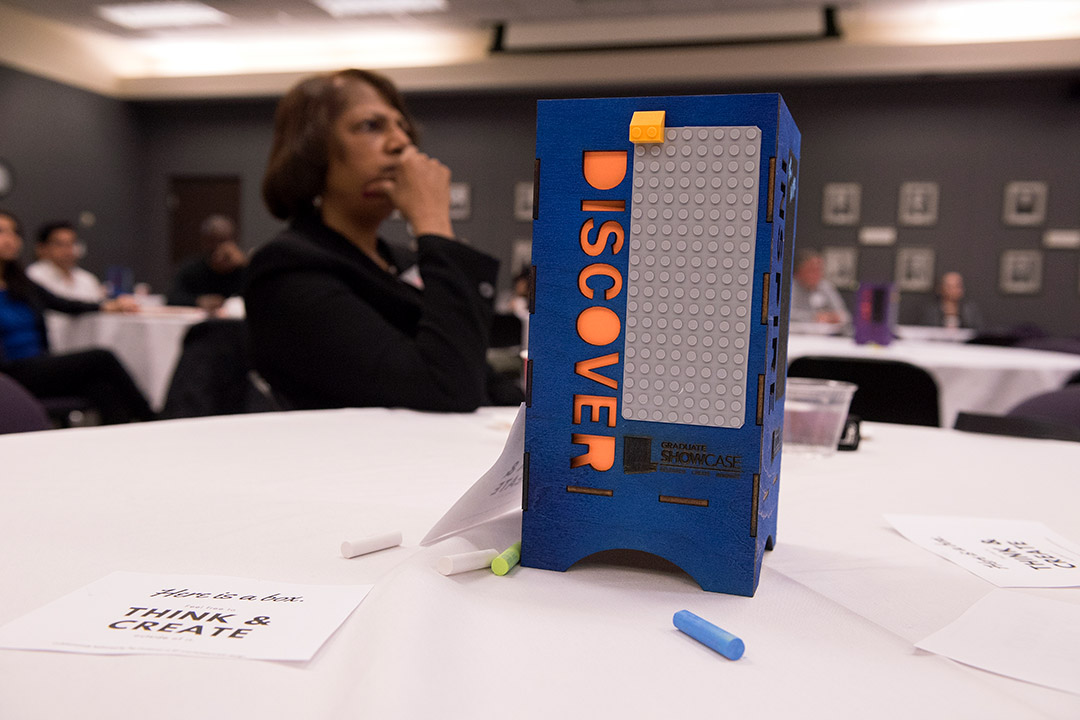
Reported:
(421, 191)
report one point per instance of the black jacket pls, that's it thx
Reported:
(196, 277)
(329, 328)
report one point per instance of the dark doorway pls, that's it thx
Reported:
(192, 198)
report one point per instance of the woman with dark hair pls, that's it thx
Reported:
(95, 375)
(333, 320)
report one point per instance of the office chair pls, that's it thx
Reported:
(214, 374)
(1053, 415)
(1061, 407)
(889, 390)
(1015, 427)
(19, 410)
(67, 411)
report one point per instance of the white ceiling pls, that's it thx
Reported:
(274, 15)
(267, 44)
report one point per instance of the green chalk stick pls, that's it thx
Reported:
(506, 559)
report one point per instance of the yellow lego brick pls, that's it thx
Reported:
(647, 126)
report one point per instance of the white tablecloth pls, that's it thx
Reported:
(973, 378)
(272, 496)
(147, 343)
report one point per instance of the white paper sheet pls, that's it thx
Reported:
(207, 615)
(496, 492)
(1008, 553)
(1022, 636)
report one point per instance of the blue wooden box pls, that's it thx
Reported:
(662, 258)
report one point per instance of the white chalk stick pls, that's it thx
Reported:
(373, 543)
(463, 562)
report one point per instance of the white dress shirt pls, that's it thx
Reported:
(79, 285)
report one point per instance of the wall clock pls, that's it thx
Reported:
(7, 178)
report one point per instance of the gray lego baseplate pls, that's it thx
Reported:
(691, 277)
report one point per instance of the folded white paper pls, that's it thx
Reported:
(208, 615)
(496, 492)
(1008, 553)
(1022, 636)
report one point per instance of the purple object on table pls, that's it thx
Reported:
(876, 307)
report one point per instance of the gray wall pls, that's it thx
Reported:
(487, 141)
(969, 135)
(197, 138)
(972, 138)
(72, 152)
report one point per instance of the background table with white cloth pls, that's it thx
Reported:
(973, 378)
(148, 343)
(272, 496)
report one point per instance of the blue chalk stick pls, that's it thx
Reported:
(708, 634)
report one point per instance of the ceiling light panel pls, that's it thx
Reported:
(745, 26)
(311, 53)
(352, 8)
(964, 21)
(146, 16)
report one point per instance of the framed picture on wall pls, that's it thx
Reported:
(915, 269)
(877, 235)
(841, 266)
(1025, 203)
(523, 201)
(918, 204)
(1021, 272)
(7, 178)
(520, 255)
(840, 204)
(1061, 238)
(460, 201)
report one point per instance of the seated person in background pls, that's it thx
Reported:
(332, 321)
(950, 309)
(24, 349)
(813, 298)
(216, 275)
(57, 267)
